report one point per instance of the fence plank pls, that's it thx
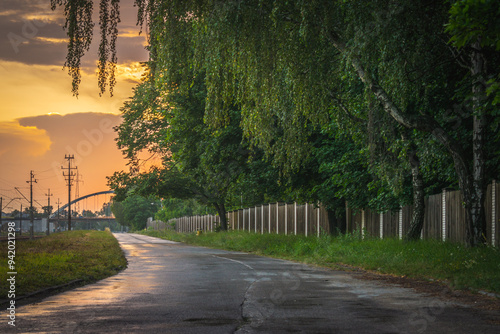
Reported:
(444, 219)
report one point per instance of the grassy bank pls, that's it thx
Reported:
(61, 258)
(456, 265)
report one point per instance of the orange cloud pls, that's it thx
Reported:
(23, 140)
(132, 71)
(40, 143)
(47, 89)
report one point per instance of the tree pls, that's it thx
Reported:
(117, 209)
(134, 211)
(197, 161)
(255, 53)
(287, 63)
(47, 210)
(175, 208)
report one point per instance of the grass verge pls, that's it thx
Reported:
(61, 258)
(455, 265)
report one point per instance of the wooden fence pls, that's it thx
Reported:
(207, 223)
(444, 219)
(282, 218)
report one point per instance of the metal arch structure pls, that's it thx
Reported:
(79, 199)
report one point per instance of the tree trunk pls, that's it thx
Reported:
(221, 209)
(476, 231)
(417, 221)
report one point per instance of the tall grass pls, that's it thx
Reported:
(453, 264)
(61, 258)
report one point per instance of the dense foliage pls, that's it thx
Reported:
(134, 211)
(345, 100)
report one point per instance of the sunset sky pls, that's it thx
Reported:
(41, 121)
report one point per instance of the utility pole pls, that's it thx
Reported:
(78, 180)
(58, 213)
(69, 178)
(31, 181)
(21, 220)
(49, 211)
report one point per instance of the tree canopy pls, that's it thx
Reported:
(134, 211)
(405, 84)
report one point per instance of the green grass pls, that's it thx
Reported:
(61, 258)
(458, 266)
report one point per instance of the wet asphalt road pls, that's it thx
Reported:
(174, 288)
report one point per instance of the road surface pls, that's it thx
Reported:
(174, 288)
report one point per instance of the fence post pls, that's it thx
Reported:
(363, 224)
(262, 219)
(249, 219)
(306, 219)
(286, 218)
(255, 214)
(317, 221)
(243, 214)
(269, 227)
(381, 226)
(443, 217)
(295, 217)
(493, 212)
(277, 218)
(401, 223)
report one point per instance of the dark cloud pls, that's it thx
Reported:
(31, 33)
(28, 31)
(40, 50)
(25, 6)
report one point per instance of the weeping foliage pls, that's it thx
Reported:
(387, 74)
(79, 28)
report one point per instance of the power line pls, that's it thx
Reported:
(22, 193)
